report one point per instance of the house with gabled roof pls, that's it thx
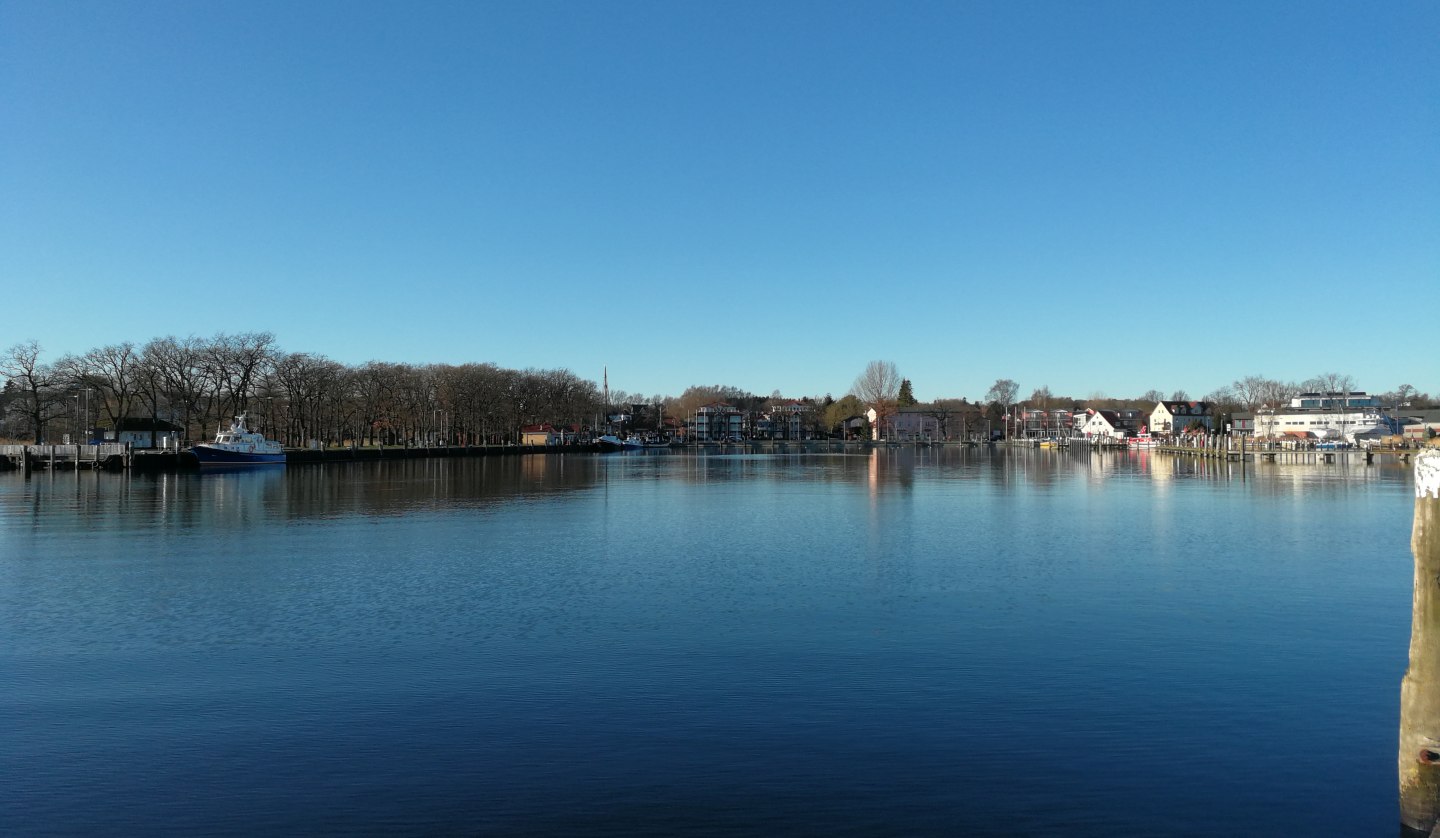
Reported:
(1174, 417)
(1102, 424)
(1112, 424)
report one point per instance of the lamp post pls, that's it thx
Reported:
(85, 415)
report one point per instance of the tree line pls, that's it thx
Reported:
(296, 397)
(200, 383)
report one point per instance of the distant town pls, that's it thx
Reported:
(171, 391)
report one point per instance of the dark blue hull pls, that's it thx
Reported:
(219, 457)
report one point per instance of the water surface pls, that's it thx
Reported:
(899, 642)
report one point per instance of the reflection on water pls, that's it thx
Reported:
(888, 641)
(241, 497)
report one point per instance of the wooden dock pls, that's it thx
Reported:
(27, 458)
(1229, 449)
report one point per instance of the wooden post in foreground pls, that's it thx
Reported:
(1420, 691)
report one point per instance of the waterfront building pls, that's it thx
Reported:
(784, 420)
(1174, 417)
(1420, 425)
(853, 427)
(545, 434)
(1334, 401)
(1325, 416)
(1102, 424)
(717, 422)
(905, 426)
(1113, 424)
(144, 433)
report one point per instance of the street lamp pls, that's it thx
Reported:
(82, 407)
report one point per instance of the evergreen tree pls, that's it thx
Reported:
(906, 397)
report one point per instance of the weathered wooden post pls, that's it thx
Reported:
(1420, 691)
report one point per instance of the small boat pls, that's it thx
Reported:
(610, 442)
(238, 446)
(1142, 441)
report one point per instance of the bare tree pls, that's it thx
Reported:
(1277, 392)
(1335, 382)
(113, 373)
(1222, 397)
(36, 382)
(1003, 393)
(236, 362)
(879, 386)
(1256, 391)
(697, 397)
(299, 393)
(1249, 391)
(174, 375)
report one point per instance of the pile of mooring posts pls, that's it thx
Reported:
(1420, 691)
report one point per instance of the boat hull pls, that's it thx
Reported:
(211, 456)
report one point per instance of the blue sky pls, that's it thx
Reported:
(1097, 197)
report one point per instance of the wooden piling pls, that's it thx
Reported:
(1420, 691)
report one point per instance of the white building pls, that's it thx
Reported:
(1113, 424)
(1172, 417)
(1324, 416)
(145, 433)
(1102, 424)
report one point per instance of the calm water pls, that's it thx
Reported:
(930, 642)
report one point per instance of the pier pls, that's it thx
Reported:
(1419, 752)
(1241, 450)
(26, 458)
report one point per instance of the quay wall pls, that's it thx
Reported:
(312, 456)
(160, 461)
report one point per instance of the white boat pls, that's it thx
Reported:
(1142, 441)
(239, 446)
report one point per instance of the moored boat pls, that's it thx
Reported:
(239, 446)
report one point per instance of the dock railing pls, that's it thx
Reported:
(64, 456)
